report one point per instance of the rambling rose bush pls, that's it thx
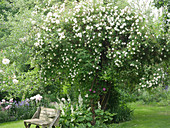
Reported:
(95, 45)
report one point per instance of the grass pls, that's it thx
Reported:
(14, 124)
(145, 116)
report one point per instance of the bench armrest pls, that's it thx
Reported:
(37, 113)
(56, 119)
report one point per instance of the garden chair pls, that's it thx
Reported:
(45, 117)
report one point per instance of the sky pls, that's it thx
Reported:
(144, 5)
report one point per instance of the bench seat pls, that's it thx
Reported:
(38, 122)
(45, 117)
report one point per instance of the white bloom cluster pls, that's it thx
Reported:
(67, 107)
(37, 97)
(63, 105)
(143, 6)
(23, 39)
(15, 81)
(153, 81)
(74, 38)
(80, 100)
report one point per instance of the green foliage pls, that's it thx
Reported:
(160, 3)
(16, 83)
(16, 46)
(158, 95)
(3, 116)
(78, 114)
(165, 5)
(124, 113)
(24, 109)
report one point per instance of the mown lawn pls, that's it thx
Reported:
(14, 124)
(145, 116)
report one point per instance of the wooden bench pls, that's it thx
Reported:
(45, 117)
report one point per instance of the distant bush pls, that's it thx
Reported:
(158, 95)
(124, 113)
(13, 110)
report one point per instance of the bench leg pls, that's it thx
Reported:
(27, 126)
(37, 126)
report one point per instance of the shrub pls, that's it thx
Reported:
(79, 114)
(157, 95)
(124, 113)
(3, 116)
(24, 110)
(13, 110)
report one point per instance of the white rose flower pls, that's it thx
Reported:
(5, 61)
(57, 21)
(63, 99)
(3, 101)
(38, 97)
(88, 27)
(33, 22)
(49, 14)
(15, 81)
(115, 7)
(36, 44)
(86, 95)
(32, 98)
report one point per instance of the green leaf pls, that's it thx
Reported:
(89, 124)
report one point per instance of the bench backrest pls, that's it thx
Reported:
(48, 114)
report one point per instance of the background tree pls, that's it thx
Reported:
(16, 46)
(165, 5)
